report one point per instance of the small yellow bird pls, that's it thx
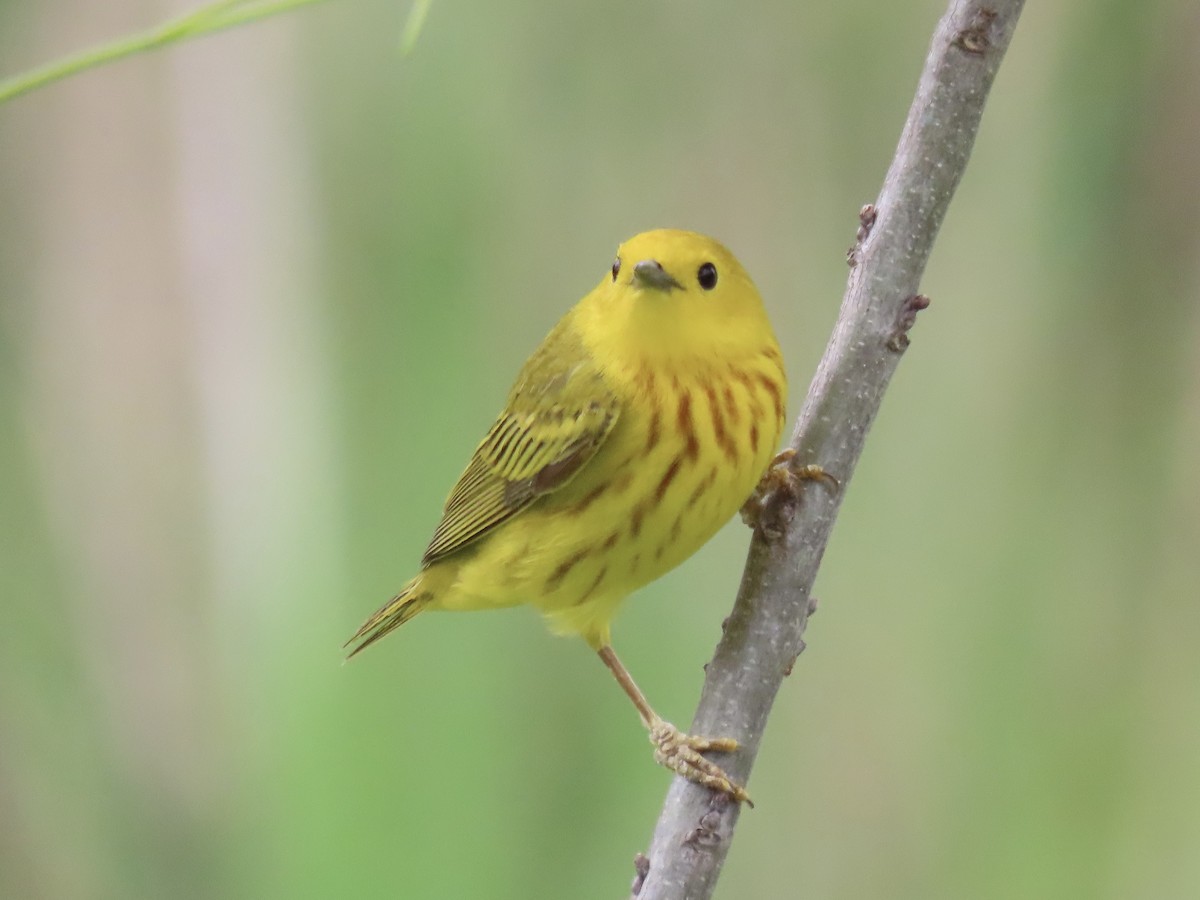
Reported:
(635, 431)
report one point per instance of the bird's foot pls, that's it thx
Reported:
(680, 753)
(781, 480)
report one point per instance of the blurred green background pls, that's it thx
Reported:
(260, 295)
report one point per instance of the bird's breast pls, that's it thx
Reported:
(687, 450)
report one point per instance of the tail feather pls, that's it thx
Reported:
(389, 617)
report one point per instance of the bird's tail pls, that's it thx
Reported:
(406, 604)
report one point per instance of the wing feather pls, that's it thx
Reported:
(558, 415)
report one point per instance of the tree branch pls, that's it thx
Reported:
(763, 636)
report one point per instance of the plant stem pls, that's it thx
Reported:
(204, 20)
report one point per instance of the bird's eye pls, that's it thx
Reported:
(707, 276)
(616, 268)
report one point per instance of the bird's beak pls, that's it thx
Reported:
(649, 273)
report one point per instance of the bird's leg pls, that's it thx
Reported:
(677, 751)
(781, 478)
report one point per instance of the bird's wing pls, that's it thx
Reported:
(558, 414)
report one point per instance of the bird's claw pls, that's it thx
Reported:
(680, 753)
(783, 480)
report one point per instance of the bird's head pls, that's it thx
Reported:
(677, 294)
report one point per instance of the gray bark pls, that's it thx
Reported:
(764, 634)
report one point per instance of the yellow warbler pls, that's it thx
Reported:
(639, 426)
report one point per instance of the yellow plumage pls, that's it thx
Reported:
(634, 432)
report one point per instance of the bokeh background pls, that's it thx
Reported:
(261, 294)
